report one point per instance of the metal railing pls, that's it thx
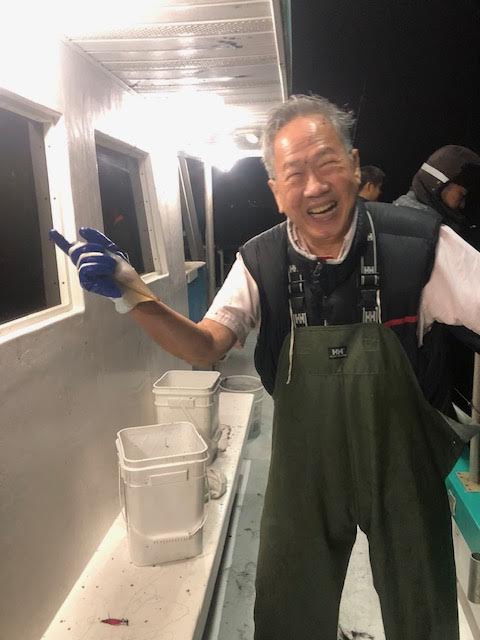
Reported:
(474, 467)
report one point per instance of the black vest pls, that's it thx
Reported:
(406, 245)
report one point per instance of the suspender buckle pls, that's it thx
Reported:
(370, 280)
(298, 304)
(296, 288)
(369, 299)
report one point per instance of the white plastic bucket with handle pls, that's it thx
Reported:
(161, 487)
(247, 384)
(191, 396)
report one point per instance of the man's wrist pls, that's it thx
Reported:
(122, 305)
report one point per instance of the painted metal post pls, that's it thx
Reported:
(474, 470)
(221, 259)
(209, 231)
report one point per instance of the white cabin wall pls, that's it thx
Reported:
(68, 386)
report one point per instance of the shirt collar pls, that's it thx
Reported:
(300, 245)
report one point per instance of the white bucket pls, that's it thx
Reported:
(190, 396)
(247, 384)
(161, 486)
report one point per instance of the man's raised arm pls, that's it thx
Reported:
(201, 343)
(104, 269)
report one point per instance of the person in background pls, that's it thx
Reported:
(343, 293)
(371, 183)
(442, 184)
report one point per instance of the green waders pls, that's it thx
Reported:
(355, 443)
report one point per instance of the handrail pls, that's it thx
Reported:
(474, 468)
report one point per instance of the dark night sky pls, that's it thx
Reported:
(244, 204)
(417, 64)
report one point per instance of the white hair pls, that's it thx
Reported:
(301, 105)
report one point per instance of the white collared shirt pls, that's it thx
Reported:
(451, 296)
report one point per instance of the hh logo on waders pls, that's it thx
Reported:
(337, 352)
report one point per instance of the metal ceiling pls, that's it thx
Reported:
(233, 49)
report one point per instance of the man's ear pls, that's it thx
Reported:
(273, 186)
(354, 154)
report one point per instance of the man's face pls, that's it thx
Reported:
(316, 181)
(453, 195)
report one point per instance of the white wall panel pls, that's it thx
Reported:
(68, 386)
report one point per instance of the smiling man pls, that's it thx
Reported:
(316, 182)
(342, 293)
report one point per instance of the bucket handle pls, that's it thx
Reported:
(213, 438)
(123, 506)
(190, 418)
(121, 495)
(190, 534)
(205, 512)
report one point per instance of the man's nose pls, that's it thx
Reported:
(314, 185)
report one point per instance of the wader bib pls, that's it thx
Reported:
(355, 443)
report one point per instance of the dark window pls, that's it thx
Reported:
(244, 206)
(28, 268)
(187, 249)
(123, 210)
(191, 193)
(197, 180)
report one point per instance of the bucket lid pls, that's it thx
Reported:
(188, 380)
(160, 444)
(241, 384)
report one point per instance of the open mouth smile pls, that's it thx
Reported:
(318, 212)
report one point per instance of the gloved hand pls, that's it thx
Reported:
(104, 269)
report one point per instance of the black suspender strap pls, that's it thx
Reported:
(370, 278)
(296, 294)
(369, 285)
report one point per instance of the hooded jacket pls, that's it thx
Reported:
(444, 356)
(451, 163)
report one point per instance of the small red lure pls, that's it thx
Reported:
(115, 621)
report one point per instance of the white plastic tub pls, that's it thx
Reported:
(161, 485)
(247, 384)
(190, 396)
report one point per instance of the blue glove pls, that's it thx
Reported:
(104, 269)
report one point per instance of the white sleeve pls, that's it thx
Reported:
(452, 295)
(237, 304)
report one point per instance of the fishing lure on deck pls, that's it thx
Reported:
(115, 621)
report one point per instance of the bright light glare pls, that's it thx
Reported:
(197, 122)
(252, 138)
(198, 116)
(201, 124)
(186, 52)
(222, 155)
(65, 17)
(29, 54)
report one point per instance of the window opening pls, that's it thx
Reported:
(28, 267)
(197, 181)
(123, 209)
(192, 241)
